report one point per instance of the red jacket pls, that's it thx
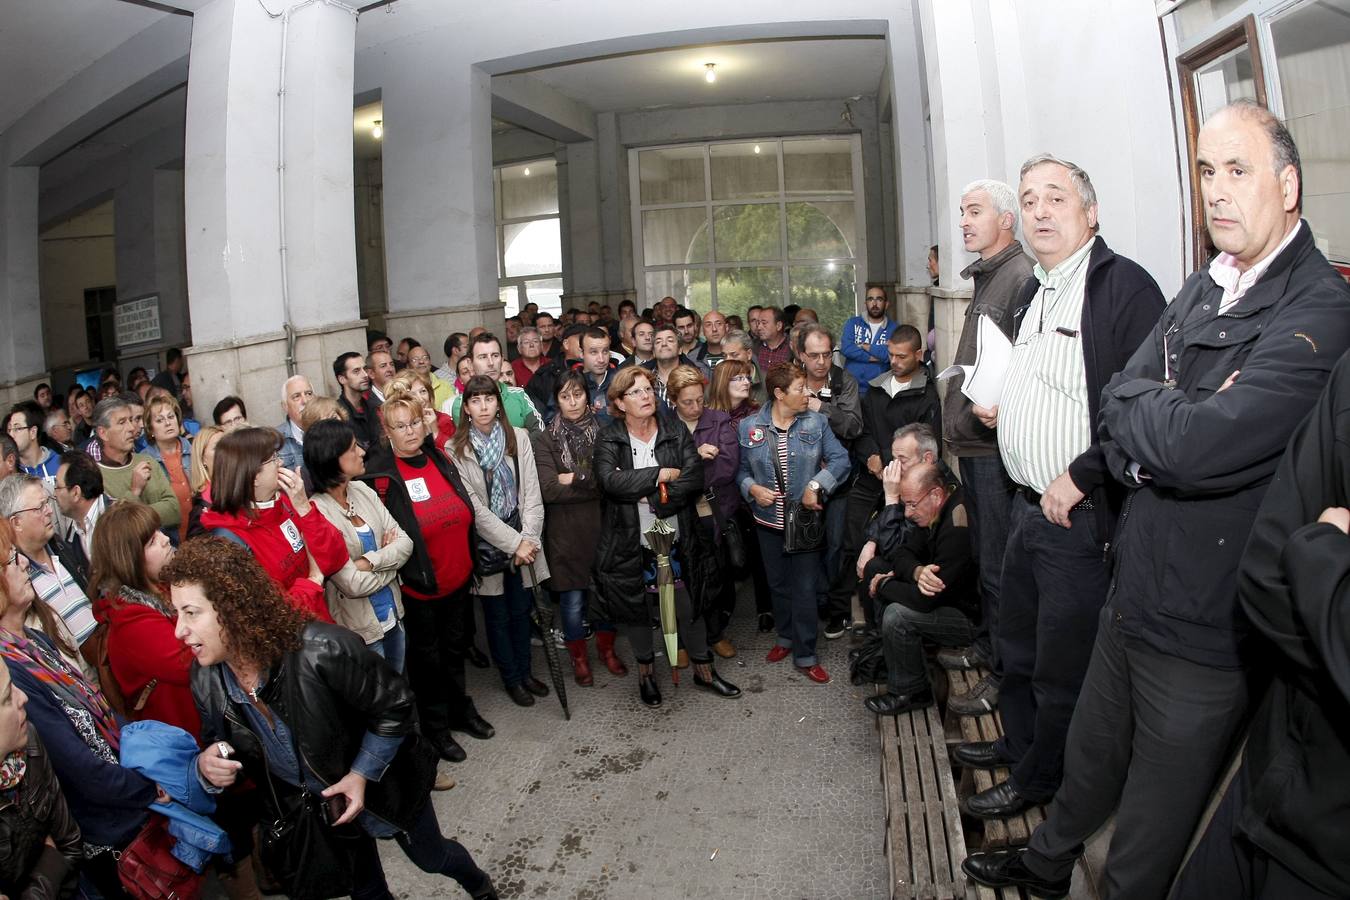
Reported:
(282, 555)
(142, 647)
(523, 373)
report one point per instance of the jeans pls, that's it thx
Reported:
(573, 606)
(792, 578)
(903, 631)
(393, 647)
(1054, 585)
(427, 848)
(1149, 740)
(506, 619)
(435, 645)
(989, 497)
(693, 634)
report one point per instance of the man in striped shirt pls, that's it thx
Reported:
(1081, 317)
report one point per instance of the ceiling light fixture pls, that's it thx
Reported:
(377, 132)
(527, 171)
(710, 72)
(757, 148)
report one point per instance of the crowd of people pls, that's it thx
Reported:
(301, 601)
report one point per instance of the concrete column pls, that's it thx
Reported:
(253, 317)
(170, 263)
(616, 223)
(439, 216)
(22, 361)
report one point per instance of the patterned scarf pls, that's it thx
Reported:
(575, 440)
(13, 769)
(490, 449)
(82, 702)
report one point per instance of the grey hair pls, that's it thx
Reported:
(1003, 197)
(807, 329)
(1086, 192)
(50, 421)
(11, 488)
(7, 447)
(286, 385)
(1282, 145)
(739, 338)
(923, 437)
(526, 332)
(103, 413)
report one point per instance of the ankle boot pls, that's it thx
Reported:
(604, 648)
(581, 663)
(647, 689)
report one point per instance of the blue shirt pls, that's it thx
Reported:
(382, 601)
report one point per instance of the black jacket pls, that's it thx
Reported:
(382, 474)
(330, 692)
(30, 869)
(1121, 302)
(366, 423)
(882, 414)
(1293, 588)
(1211, 455)
(947, 543)
(618, 559)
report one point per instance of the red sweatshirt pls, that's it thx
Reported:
(278, 537)
(142, 647)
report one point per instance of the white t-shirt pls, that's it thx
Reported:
(644, 457)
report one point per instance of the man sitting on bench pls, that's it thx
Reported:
(931, 590)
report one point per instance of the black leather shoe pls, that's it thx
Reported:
(520, 694)
(476, 658)
(889, 704)
(475, 726)
(718, 685)
(448, 748)
(535, 686)
(999, 802)
(648, 691)
(765, 623)
(1005, 868)
(980, 755)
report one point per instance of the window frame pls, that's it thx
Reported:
(518, 283)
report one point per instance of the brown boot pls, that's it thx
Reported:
(604, 648)
(581, 663)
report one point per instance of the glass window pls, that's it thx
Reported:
(532, 248)
(529, 235)
(1196, 16)
(771, 240)
(1223, 80)
(529, 189)
(1312, 55)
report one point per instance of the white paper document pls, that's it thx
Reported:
(983, 383)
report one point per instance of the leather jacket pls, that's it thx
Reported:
(330, 692)
(28, 867)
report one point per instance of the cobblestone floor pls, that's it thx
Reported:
(628, 802)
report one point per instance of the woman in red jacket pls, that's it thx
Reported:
(149, 664)
(257, 502)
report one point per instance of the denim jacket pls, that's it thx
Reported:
(813, 453)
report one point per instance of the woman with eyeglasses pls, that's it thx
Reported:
(410, 383)
(650, 470)
(168, 447)
(790, 454)
(496, 461)
(78, 728)
(715, 440)
(732, 392)
(257, 502)
(363, 595)
(424, 493)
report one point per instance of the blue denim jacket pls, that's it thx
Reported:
(813, 453)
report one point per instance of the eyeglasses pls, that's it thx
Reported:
(41, 507)
(745, 378)
(639, 392)
(823, 355)
(165, 420)
(274, 458)
(13, 556)
(402, 427)
(16, 428)
(914, 504)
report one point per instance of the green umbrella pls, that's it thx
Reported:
(661, 538)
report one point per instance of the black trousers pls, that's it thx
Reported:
(439, 632)
(989, 499)
(428, 849)
(1149, 740)
(754, 561)
(864, 498)
(1054, 585)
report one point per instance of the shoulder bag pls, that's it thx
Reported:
(488, 558)
(803, 529)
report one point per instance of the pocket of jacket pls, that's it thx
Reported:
(1203, 554)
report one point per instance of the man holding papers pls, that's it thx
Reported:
(988, 223)
(1077, 321)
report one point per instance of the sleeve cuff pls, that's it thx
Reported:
(375, 755)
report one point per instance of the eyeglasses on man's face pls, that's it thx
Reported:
(40, 508)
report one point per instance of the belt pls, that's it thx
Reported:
(1034, 498)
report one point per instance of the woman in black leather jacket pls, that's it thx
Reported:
(302, 702)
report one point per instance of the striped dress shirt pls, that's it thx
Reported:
(1043, 420)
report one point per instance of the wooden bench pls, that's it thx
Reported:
(924, 842)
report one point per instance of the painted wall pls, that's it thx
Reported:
(76, 255)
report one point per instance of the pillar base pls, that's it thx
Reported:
(432, 326)
(254, 368)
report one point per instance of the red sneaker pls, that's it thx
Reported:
(816, 673)
(778, 654)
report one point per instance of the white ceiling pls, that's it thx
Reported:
(45, 43)
(746, 73)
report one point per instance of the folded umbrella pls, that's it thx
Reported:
(661, 540)
(543, 619)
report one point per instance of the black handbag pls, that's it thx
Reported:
(309, 858)
(731, 542)
(488, 558)
(803, 529)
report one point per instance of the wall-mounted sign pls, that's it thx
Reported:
(137, 321)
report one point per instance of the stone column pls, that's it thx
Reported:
(22, 360)
(265, 300)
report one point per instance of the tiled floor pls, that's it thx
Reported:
(627, 802)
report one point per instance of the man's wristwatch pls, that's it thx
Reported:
(813, 485)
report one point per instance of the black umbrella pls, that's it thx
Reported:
(543, 620)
